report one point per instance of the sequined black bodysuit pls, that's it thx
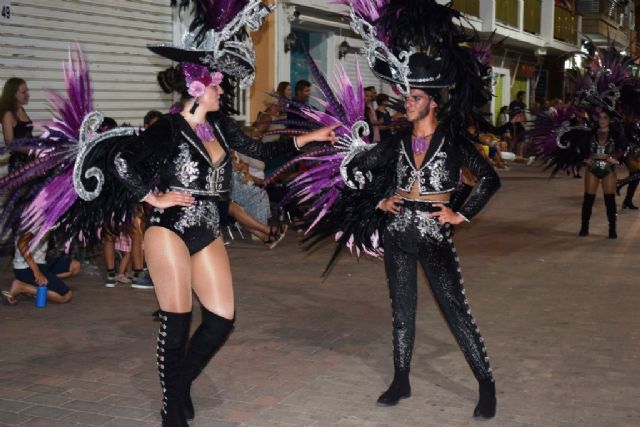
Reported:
(600, 167)
(172, 157)
(412, 237)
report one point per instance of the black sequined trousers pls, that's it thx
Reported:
(411, 238)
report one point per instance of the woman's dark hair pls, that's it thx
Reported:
(282, 86)
(8, 101)
(172, 80)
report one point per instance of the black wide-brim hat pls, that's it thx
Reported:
(425, 72)
(229, 64)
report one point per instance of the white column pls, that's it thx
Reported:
(488, 15)
(521, 15)
(282, 30)
(547, 18)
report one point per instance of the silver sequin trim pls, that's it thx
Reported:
(203, 212)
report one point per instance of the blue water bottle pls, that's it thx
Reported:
(41, 296)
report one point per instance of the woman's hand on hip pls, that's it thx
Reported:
(169, 199)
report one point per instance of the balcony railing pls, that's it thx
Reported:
(564, 26)
(532, 9)
(470, 7)
(507, 12)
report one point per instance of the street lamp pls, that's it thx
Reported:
(343, 49)
(290, 42)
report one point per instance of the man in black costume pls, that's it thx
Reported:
(416, 172)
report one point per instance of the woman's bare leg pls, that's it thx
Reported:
(137, 238)
(211, 279)
(247, 221)
(124, 263)
(19, 287)
(74, 270)
(109, 251)
(170, 269)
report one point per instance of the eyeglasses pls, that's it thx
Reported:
(414, 99)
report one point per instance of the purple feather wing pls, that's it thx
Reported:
(322, 184)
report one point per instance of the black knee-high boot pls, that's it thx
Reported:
(172, 339)
(628, 200)
(206, 341)
(587, 207)
(610, 204)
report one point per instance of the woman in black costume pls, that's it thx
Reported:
(604, 145)
(190, 151)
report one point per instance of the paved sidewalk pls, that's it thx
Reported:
(558, 312)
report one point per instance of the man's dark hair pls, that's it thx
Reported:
(381, 98)
(520, 92)
(369, 88)
(301, 85)
(108, 123)
(153, 114)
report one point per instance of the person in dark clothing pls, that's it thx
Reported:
(16, 123)
(383, 116)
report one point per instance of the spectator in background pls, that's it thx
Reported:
(503, 116)
(302, 94)
(150, 118)
(383, 116)
(15, 120)
(275, 105)
(284, 90)
(517, 130)
(31, 269)
(517, 105)
(370, 95)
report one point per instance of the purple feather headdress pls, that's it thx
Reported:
(218, 37)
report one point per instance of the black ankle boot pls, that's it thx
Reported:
(610, 204)
(486, 407)
(587, 207)
(172, 339)
(399, 389)
(206, 341)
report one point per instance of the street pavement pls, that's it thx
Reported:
(558, 314)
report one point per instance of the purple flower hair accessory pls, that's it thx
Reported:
(196, 88)
(216, 78)
(196, 73)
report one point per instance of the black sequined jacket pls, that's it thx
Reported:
(438, 173)
(170, 156)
